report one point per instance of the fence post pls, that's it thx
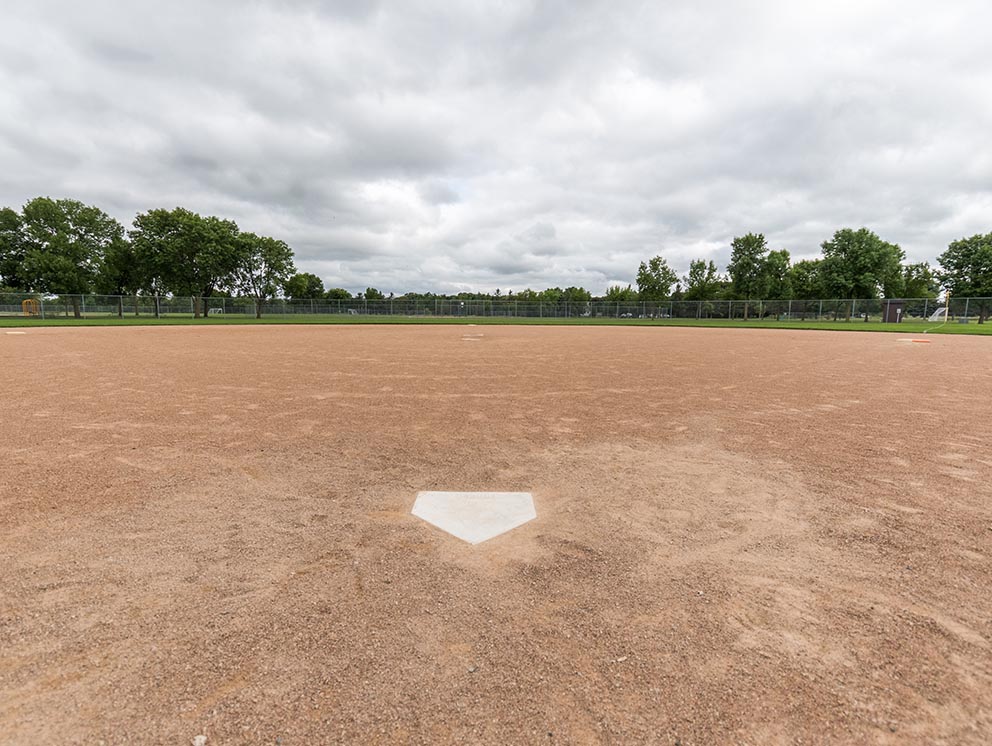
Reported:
(789, 316)
(820, 312)
(82, 303)
(926, 302)
(852, 307)
(966, 302)
(41, 306)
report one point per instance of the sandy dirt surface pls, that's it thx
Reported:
(743, 536)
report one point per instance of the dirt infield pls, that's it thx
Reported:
(742, 536)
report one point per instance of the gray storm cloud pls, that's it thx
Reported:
(441, 146)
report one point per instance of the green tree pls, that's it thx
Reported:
(373, 294)
(577, 299)
(966, 270)
(777, 277)
(919, 281)
(703, 281)
(804, 279)
(858, 264)
(304, 286)
(655, 279)
(187, 254)
(747, 267)
(620, 294)
(12, 248)
(64, 245)
(264, 265)
(120, 273)
(337, 294)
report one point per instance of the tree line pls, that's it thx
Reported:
(64, 247)
(855, 264)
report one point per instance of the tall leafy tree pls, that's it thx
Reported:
(576, 295)
(120, 273)
(337, 294)
(778, 281)
(804, 279)
(189, 254)
(748, 277)
(655, 279)
(859, 264)
(304, 286)
(64, 246)
(966, 270)
(620, 294)
(374, 294)
(12, 248)
(703, 281)
(577, 298)
(263, 266)
(919, 281)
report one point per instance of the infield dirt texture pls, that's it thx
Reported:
(743, 536)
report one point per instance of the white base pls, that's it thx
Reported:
(475, 516)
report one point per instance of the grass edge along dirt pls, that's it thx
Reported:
(855, 325)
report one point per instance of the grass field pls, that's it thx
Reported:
(742, 536)
(854, 325)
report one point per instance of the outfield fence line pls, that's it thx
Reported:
(47, 306)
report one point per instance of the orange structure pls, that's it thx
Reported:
(31, 307)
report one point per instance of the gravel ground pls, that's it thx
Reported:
(743, 536)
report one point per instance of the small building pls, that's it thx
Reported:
(892, 311)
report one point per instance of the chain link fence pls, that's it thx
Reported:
(30, 305)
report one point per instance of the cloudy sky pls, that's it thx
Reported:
(474, 145)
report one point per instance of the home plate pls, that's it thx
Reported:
(475, 516)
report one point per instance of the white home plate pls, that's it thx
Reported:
(475, 516)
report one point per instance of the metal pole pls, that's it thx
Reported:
(41, 305)
(966, 302)
(820, 312)
(789, 316)
(82, 302)
(926, 302)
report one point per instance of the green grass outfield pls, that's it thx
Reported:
(851, 326)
